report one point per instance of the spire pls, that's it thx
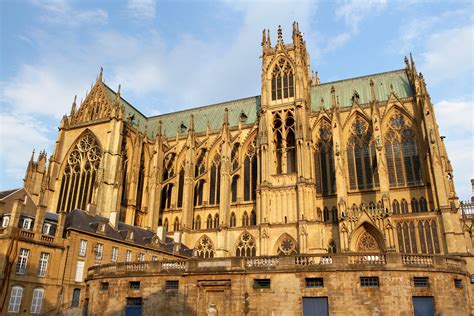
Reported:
(407, 65)
(73, 107)
(117, 94)
(100, 74)
(32, 156)
(191, 123)
(269, 39)
(264, 39)
(295, 34)
(317, 78)
(333, 95)
(372, 91)
(413, 68)
(280, 36)
(160, 127)
(226, 117)
(355, 97)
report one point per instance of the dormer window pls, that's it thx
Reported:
(282, 81)
(183, 128)
(5, 221)
(47, 229)
(243, 117)
(27, 223)
(101, 227)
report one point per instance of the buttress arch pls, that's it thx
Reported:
(366, 238)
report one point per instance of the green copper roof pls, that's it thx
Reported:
(344, 89)
(212, 116)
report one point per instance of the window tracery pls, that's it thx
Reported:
(245, 219)
(282, 81)
(176, 224)
(216, 221)
(197, 223)
(425, 230)
(209, 222)
(198, 192)
(401, 152)
(287, 246)
(324, 161)
(166, 194)
(234, 188)
(361, 157)
(250, 172)
(367, 243)
(200, 167)
(233, 220)
(284, 139)
(246, 246)
(234, 157)
(168, 166)
(181, 187)
(79, 175)
(204, 248)
(395, 207)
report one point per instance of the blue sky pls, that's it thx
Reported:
(171, 55)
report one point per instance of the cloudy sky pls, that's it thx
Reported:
(171, 55)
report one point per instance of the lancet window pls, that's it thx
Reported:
(198, 192)
(284, 139)
(216, 221)
(234, 188)
(180, 187)
(324, 161)
(245, 219)
(200, 166)
(414, 206)
(79, 175)
(282, 81)
(425, 230)
(395, 207)
(176, 224)
(166, 193)
(233, 220)
(361, 157)
(214, 192)
(168, 166)
(124, 175)
(404, 206)
(197, 223)
(141, 180)
(246, 246)
(250, 172)
(234, 157)
(209, 222)
(204, 248)
(401, 152)
(253, 218)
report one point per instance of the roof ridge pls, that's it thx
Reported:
(359, 77)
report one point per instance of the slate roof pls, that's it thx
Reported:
(6, 193)
(213, 115)
(78, 219)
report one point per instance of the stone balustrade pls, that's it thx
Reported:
(27, 234)
(312, 262)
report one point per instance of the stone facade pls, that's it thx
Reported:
(355, 166)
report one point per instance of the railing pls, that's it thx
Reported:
(312, 262)
(27, 234)
(376, 259)
(417, 260)
(467, 209)
(47, 238)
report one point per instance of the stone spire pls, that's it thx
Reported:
(280, 36)
(333, 96)
(73, 107)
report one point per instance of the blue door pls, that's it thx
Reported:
(315, 306)
(134, 306)
(423, 306)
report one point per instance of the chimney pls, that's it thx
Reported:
(113, 219)
(176, 241)
(161, 233)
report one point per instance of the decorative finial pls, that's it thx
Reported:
(73, 107)
(372, 91)
(160, 126)
(269, 39)
(264, 39)
(226, 116)
(100, 74)
(32, 155)
(191, 123)
(117, 94)
(407, 65)
(280, 35)
(317, 78)
(333, 95)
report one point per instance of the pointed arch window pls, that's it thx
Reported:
(214, 192)
(234, 188)
(414, 206)
(198, 192)
(246, 246)
(197, 223)
(204, 248)
(165, 225)
(361, 157)
(200, 166)
(234, 157)
(168, 166)
(334, 216)
(324, 161)
(402, 153)
(176, 224)
(124, 174)
(282, 81)
(423, 205)
(233, 220)
(253, 218)
(209, 222)
(216, 221)
(141, 180)
(284, 141)
(395, 207)
(286, 246)
(79, 175)
(250, 172)
(245, 219)
(326, 215)
(166, 194)
(404, 206)
(181, 187)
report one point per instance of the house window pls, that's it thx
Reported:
(99, 251)
(76, 295)
(115, 251)
(82, 248)
(47, 228)
(43, 264)
(15, 299)
(369, 281)
(134, 285)
(261, 283)
(171, 285)
(458, 283)
(314, 282)
(5, 221)
(141, 256)
(128, 256)
(22, 261)
(104, 286)
(154, 258)
(79, 271)
(421, 281)
(37, 301)
(27, 223)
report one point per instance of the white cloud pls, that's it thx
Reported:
(145, 9)
(449, 53)
(456, 122)
(19, 135)
(354, 11)
(337, 41)
(61, 12)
